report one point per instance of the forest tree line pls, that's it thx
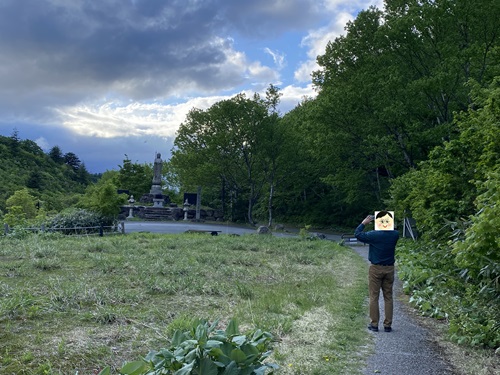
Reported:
(389, 93)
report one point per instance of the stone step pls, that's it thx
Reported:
(158, 213)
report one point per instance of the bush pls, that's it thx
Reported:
(66, 221)
(205, 350)
(439, 289)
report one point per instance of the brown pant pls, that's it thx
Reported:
(381, 277)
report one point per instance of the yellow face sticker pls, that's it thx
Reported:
(384, 220)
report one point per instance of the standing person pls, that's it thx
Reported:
(381, 255)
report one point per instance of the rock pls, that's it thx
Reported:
(279, 227)
(318, 236)
(263, 230)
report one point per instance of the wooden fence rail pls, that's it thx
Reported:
(100, 230)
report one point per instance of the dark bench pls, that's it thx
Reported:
(212, 232)
(349, 239)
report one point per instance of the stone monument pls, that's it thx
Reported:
(155, 195)
(131, 202)
(156, 186)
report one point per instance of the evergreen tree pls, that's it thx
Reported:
(56, 155)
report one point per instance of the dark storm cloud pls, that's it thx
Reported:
(269, 18)
(71, 49)
(86, 43)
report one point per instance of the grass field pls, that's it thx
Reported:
(74, 305)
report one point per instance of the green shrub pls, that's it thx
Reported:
(66, 221)
(205, 350)
(440, 289)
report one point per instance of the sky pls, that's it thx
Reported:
(114, 79)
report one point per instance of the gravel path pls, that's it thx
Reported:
(409, 349)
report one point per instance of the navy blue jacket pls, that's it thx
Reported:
(382, 244)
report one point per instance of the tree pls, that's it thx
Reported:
(56, 155)
(34, 180)
(82, 175)
(31, 147)
(388, 90)
(224, 147)
(14, 142)
(22, 203)
(103, 198)
(455, 198)
(134, 177)
(274, 144)
(445, 187)
(72, 160)
(31, 167)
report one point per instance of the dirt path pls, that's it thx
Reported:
(410, 348)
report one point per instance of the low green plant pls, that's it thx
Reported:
(439, 289)
(72, 218)
(206, 350)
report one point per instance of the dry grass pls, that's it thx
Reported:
(78, 304)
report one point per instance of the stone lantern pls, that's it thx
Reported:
(186, 209)
(131, 202)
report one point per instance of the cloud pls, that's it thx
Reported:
(136, 119)
(317, 39)
(315, 43)
(139, 49)
(42, 143)
(113, 73)
(278, 58)
(294, 95)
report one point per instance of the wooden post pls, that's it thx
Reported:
(6, 228)
(198, 204)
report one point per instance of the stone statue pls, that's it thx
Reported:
(157, 170)
(156, 187)
(156, 195)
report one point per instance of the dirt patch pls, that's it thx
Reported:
(306, 340)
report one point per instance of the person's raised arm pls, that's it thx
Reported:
(358, 233)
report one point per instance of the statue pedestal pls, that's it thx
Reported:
(157, 202)
(130, 213)
(155, 190)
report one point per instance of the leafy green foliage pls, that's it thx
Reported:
(15, 217)
(134, 177)
(227, 147)
(438, 290)
(446, 186)
(388, 92)
(77, 218)
(103, 198)
(478, 254)
(21, 204)
(206, 350)
(455, 199)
